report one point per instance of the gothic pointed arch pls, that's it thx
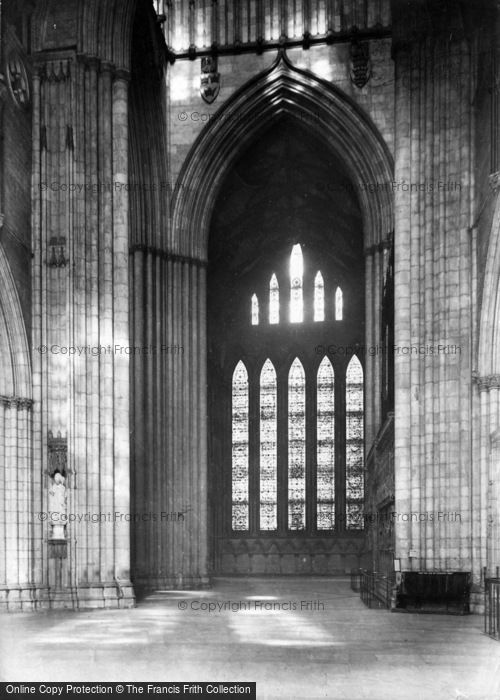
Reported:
(488, 360)
(17, 550)
(282, 90)
(15, 364)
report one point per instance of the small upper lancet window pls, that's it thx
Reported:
(339, 304)
(319, 298)
(274, 300)
(296, 274)
(255, 310)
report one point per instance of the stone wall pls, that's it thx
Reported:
(188, 113)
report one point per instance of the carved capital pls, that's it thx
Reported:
(491, 381)
(21, 404)
(494, 381)
(385, 244)
(91, 62)
(165, 255)
(53, 71)
(108, 67)
(122, 74)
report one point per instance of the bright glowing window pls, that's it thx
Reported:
(296, 275)
(255, 310)
(339, 304)
(290, 474)
(268, 448)
(325, 446)
(296, 447)
(354, 444)
(274, 300)
(240, 511)
(319, 298)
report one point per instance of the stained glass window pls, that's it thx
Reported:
(354, 444)
(296, 447)
(319, 298)
(240, 509)
(274, 300)
(339, 304)
(255, 310)
(296, 274)
(268, 448)
(308, 501)
(325, 447)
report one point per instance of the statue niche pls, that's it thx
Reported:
(57, 507)
(57, 494)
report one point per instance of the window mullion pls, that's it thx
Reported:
(282, 452)
(226, 480)
(311, 436)
(254, 452)
(340, 449)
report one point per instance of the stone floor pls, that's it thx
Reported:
(332, 648)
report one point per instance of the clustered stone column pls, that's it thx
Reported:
(18, 590)
(376, 257)
(20, 586)
(80, 321)
(486, 397)
(169, 417)
(493, 557)
(486, 495)
(433, 257)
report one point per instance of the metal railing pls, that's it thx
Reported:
(376, 589)
(492, 605)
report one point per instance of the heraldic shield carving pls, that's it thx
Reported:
(361, 68)
(210, 79)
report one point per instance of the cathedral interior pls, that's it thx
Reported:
(250, 303)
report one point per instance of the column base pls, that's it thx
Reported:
(24, 598)
(31, 598)
(109, 594)
(62, 598)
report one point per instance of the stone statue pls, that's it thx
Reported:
(57, 507)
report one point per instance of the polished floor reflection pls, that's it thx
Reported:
(296, 637)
